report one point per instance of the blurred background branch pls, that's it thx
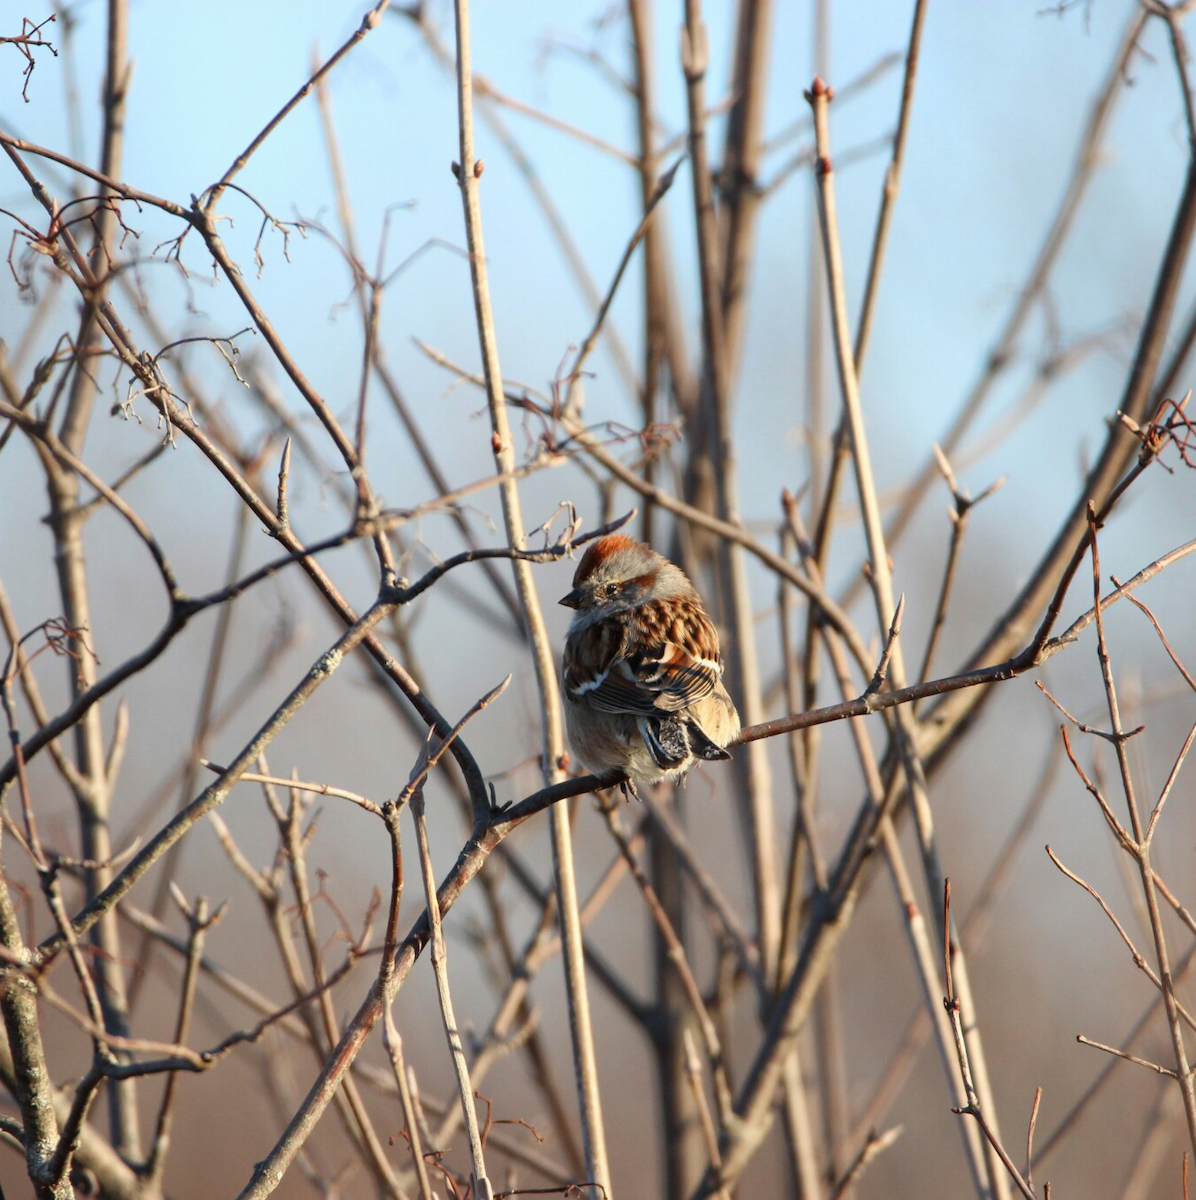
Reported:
(247, 293)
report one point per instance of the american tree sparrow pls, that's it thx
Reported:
(642, 672)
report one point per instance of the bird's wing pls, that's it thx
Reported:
(671, 664)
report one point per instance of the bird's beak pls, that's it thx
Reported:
(572, 600)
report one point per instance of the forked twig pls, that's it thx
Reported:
(972, 1108)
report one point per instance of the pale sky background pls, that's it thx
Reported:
(1002, 95)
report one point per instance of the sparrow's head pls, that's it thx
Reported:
(618, 573)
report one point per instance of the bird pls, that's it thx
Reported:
(641, 672)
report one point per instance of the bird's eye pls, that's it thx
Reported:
(610, 589)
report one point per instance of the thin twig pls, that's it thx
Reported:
(876, 1145)
(482, 1189)
(972, 1108)
(553, 745)
(1142, 1062)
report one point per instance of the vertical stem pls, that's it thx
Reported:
(679, 1110)
(882, 582)
(1142, 842)
(825, 518)
(815, 323)
(199, 920)
(683, 1155)
(585, 1065)
(354, 1111)
(93, 800)
(439, 956)
(913, 918)
(798, 1129)
(394, 1047)
(888, 196)
(655, 331)
(826, 1032)
(741, 160)
(581, 1032)
(31, 1075)
(752, 771)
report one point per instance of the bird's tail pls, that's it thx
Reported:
(672, 740)
(702, 747)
